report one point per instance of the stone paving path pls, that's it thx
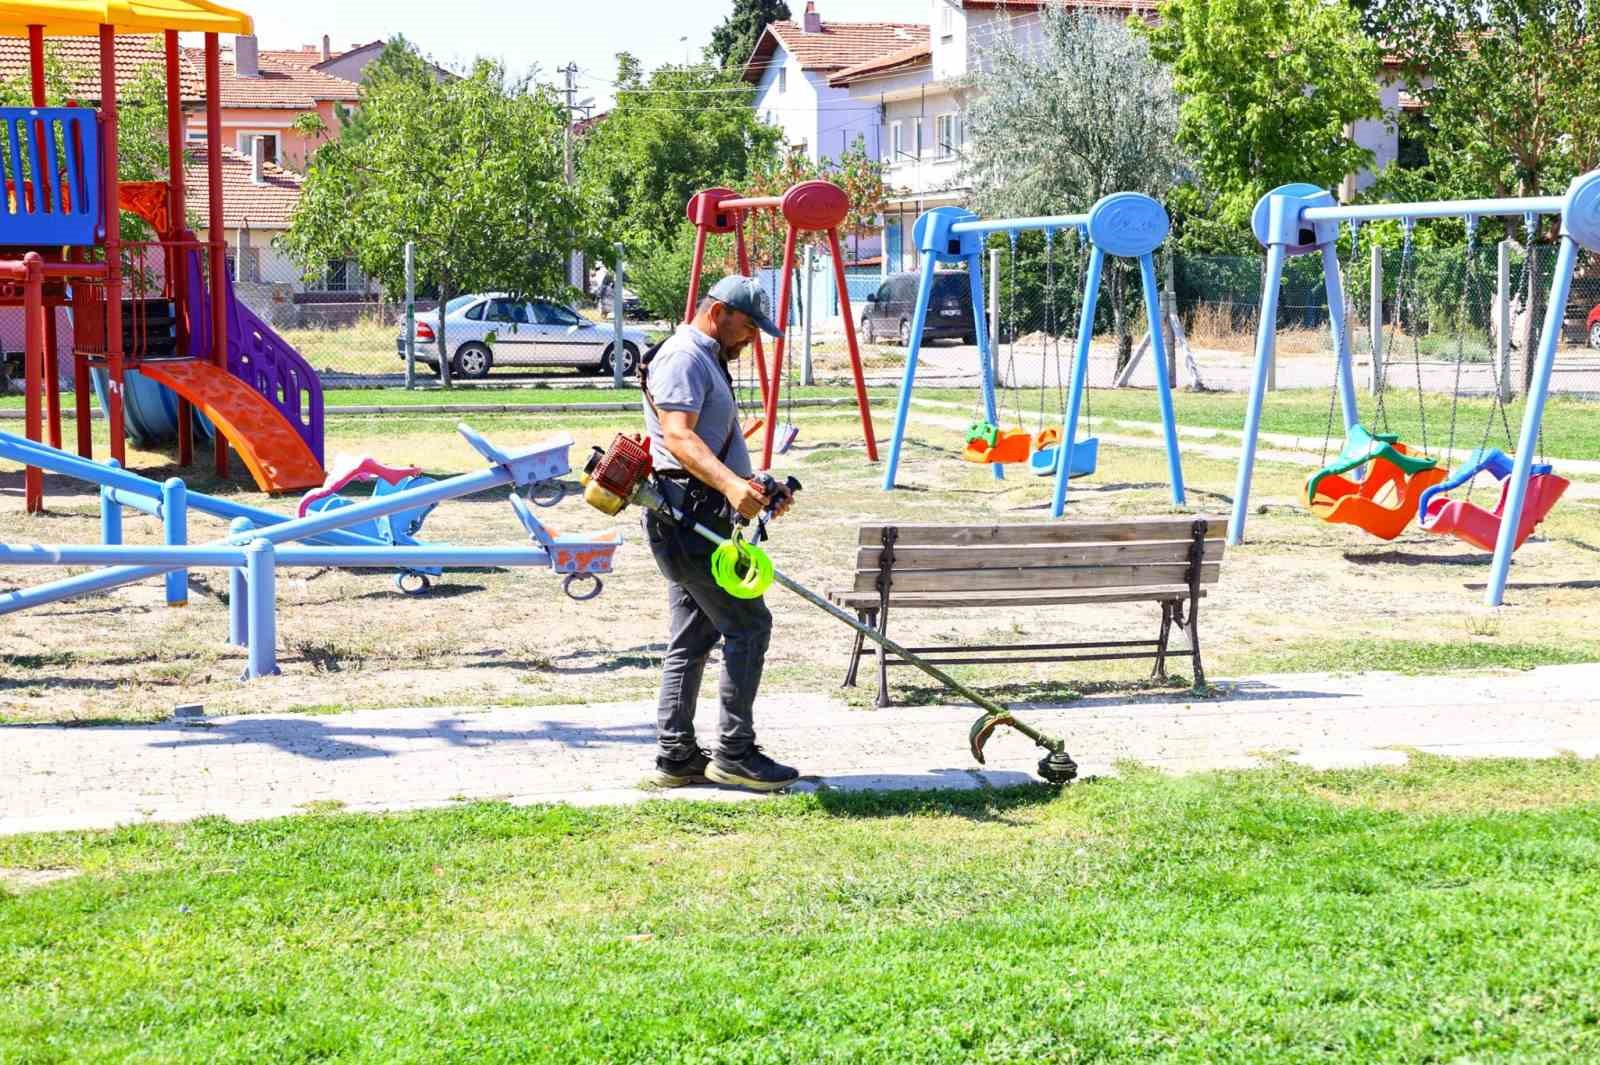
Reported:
(270, 765)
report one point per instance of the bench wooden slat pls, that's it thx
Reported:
(1058, 532)
(1038, 578)
(936, 600)
(1002, 556)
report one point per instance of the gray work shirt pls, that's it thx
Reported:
(686, 374)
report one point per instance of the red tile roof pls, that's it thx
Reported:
(284, 83)
(918, 55)
(82, 56)
(1129, 6)
(837, 46)
(269, 205)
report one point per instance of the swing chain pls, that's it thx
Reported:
(1049, 317)
(1469, 281)
(1010, 382)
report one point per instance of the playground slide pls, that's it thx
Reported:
(274, 452)
(150, 412)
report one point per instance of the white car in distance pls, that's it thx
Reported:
(488, 329)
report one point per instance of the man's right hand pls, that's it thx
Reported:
(746, 497)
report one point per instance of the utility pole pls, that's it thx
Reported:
(571, 92)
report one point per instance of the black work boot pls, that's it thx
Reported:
(677, 773)
(753, 770)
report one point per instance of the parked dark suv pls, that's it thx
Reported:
(889, 310)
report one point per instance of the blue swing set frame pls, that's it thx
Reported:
(1300, 219)
(1125, 224)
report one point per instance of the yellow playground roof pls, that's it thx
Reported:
(83, 18)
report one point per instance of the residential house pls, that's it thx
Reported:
(264, 93)
(258, 203)
(917, 91)
(791, 67)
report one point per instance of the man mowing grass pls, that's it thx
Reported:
(703, 469)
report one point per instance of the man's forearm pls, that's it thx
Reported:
(697, 458)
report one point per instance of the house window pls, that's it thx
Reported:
(1412, 148)
(947, 23)
(338, 278)
(783, 79)
(947, 129)
(269, 145)
(917, 122)
(897, 141)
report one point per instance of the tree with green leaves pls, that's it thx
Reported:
(668, 136)
(1511, 90)
(470, 169)
(736, 37)
(1269, 90)
(1058, 122)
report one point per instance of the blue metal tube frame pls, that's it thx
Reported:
(1158, 349)
(262, 644)
(1266, 351)
(903, 408)
(1080, 372)
(1379, 212)
(985, 226)
(132, 500)
(110, 517)
(1278, 223)
(130, 489)
(1333, 282)
(238, 595)
(1528, 440)
(977, 282)
(308, 527)
(222, 554)
(175, 533)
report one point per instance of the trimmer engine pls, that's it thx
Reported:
(611, 477)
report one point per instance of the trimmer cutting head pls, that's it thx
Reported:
(1057, 767)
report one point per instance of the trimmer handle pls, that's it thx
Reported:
(777, 492)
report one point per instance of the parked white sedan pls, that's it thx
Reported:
(489, 329)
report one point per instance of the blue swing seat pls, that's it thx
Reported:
(1085, 453)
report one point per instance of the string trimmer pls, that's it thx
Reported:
(620, 476)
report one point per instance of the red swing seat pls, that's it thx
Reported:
(1472, 524)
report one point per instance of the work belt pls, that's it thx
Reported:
(695, 500)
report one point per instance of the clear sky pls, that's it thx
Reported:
(542, 33)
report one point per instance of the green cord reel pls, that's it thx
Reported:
(741, 569)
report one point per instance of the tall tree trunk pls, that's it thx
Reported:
(444, 357)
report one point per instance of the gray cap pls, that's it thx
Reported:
(746, 294)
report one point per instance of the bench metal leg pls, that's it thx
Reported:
(866, 617)
(1160, 670)
(883, 659)
(1194, 643)
(1191, 629)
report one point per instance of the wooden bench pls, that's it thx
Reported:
(1168, 561)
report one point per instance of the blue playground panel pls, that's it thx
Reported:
(66, 209)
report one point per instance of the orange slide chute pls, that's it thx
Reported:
(273, 452)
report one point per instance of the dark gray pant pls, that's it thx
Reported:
(699, 614)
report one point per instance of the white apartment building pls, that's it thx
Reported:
(899, 87)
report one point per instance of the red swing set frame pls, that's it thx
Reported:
(809, 207)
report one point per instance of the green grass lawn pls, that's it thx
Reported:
(1446, 911)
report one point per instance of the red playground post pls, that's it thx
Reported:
(809, 207)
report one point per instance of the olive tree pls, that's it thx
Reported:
(1067, 115)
